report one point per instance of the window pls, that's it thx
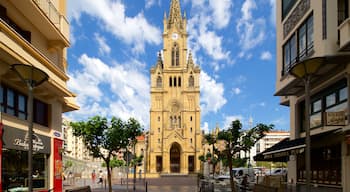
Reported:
(179, 80)
(158, 118)
(175, 56)
(191, 118)
(306, 38)
(158, 130)
(40, 113)
(333, 99)
(175, 82)
(159, 81)
(343, 94)
(191, 129)
(191, 140)
(10, 109)
(299, 46)
(343, 11)
(191, 81)
(170, 81)
(158, 141)
(290, 53)
(287, 5)
(14, 164)
(22, 107)
(316, 114)
(330, 99)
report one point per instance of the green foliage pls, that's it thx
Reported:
(202, 158)
(238, 140)
(67, 165)
(103, 138)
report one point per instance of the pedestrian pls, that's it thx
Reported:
(100, 177)
(140, 173)
(93, 176)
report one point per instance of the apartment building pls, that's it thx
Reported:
(313, 41)
(270, 139)
(34, 33)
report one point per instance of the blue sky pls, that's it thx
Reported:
(114, 43)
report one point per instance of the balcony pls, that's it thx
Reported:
(344, 35)
(46, 18)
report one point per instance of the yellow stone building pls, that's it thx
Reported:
(175, 136)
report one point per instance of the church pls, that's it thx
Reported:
(175, 138)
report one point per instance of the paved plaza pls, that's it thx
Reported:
(163, 184)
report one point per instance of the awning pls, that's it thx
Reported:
(280, 151)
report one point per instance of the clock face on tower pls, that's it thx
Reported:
(174, 36)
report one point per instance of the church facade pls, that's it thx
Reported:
(175, 136)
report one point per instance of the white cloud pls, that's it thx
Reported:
(262, 104)
(251, 31)
(266, 55)
(212, 94)
(205, 127)
(202, 36)
(236, 91)
(135, 31)
(125, 98)
(221, 12)
(103, 47)
(212, 44)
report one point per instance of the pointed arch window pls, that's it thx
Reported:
(175, 82)
(179, 81)
(170, 81)
(159, 81)
(175, 56)
(191, 81)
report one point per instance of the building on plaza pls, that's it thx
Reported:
(175, 136)
(36, 33)
(315, 35)
(270, 139)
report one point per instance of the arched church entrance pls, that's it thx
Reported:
(175, 152)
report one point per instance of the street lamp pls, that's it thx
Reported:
(304, 70)
(32, 77)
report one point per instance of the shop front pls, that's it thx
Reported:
(14, 160)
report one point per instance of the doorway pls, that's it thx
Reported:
(175, 152)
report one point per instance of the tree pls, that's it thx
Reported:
(237, 140)
(67, 165)
(103, 139)
(210, 157)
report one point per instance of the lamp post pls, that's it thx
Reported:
(304, 70)
(32, 77)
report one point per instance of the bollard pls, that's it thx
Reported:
(105, 184)
(146, 186)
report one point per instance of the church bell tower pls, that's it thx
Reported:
(175, 135)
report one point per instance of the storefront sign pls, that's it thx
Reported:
(335, 118)
(18, 139)
(57, 134)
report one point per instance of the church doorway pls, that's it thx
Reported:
(175, 151)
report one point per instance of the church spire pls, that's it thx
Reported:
(175, 17)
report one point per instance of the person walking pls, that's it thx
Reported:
(93, 176)
(100, 177)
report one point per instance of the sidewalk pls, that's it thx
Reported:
(164, 184)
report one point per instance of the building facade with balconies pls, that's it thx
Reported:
(34, 33)
(315, 34)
